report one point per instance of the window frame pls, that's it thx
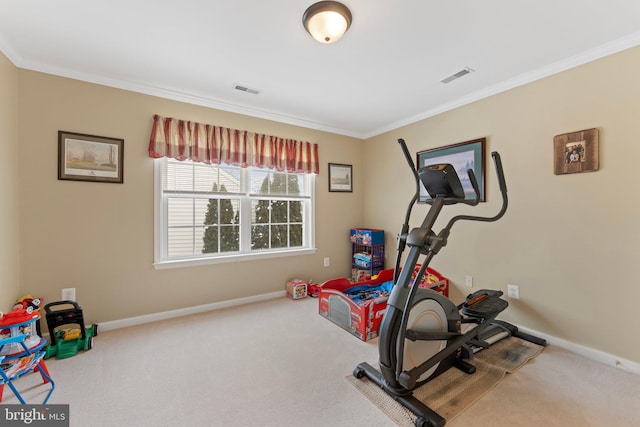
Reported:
(160, 227)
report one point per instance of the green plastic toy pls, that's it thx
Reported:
(66, 342)
(70, 341)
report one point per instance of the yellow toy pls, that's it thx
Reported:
(71, 334)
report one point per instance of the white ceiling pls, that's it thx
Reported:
(384, 73)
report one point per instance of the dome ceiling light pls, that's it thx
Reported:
(327, 21)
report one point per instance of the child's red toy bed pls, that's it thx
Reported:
(363, 318)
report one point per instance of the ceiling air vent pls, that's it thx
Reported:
(247, 89)
(457, 75)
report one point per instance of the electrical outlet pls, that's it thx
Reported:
(513, 291)
(327, 262)
(468, 280)
(69, 294)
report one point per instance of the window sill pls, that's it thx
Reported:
(195, 262)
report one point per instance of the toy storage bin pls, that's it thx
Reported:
(368, 256)
(367, 236)
(367, 253)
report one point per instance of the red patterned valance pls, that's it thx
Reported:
(181, 139)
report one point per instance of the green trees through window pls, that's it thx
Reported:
(277, 223)
(222, 225)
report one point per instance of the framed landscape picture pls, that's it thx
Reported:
(92, 158)
(340, 178)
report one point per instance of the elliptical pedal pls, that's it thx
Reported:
(484, 304)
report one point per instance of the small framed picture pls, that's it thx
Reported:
(340, 178)
(575, 152)
(93, 158)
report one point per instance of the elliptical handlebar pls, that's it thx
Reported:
(412, 166)
(503, 190)
(476, 190)
(499, 171)
(407, 156)
(402, 237)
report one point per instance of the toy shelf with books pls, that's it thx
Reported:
(367, 253)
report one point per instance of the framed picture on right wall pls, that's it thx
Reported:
(575, 152)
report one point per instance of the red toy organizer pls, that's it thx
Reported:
(21, 351)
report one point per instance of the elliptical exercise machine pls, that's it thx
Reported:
(421, 334)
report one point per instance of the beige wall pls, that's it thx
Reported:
(570, 242)
(9, 219)
(98, 237)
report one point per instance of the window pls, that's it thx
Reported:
(212, 213)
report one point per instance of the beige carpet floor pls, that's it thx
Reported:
(279, 363)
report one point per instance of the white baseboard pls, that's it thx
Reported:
(588, 352)
(165, 315)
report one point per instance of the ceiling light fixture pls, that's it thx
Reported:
(327, 21)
